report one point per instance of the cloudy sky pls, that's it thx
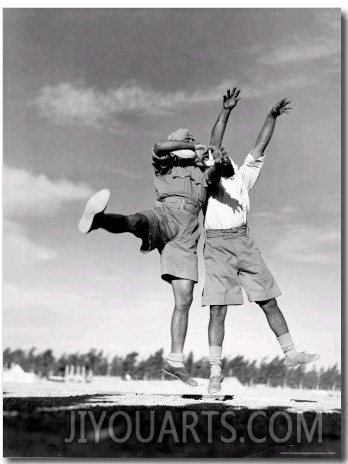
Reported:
(86, 95)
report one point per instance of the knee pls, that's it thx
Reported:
(184, 301)
(269, 306)
(218, 313)
(135, 222)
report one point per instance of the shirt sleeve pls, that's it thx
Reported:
(250, 170)
(161, 164)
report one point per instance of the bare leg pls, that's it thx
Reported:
(216, 328)
(274, 316)
(174, 365)
(279, 326)
(183, 295)
(216, 334)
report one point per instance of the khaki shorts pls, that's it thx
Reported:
(174, 231)
(232, 260)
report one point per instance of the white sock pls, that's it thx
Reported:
(176, 359)
(215, 355)
(287, 345)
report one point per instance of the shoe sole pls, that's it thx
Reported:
(96, 204)
(213, 392)
(302, 363)
(178, 378)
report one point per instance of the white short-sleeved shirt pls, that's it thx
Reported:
(228, 203)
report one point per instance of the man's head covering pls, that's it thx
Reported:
(181, 134)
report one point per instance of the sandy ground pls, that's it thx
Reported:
(115, 391)
(38, 419)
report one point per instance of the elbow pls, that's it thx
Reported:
(257, 152)
(157, 147)
(160, 147)
(215, 141)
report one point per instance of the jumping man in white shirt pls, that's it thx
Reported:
(232, 259)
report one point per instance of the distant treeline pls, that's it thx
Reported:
(273, 373)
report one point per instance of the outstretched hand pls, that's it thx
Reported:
(231, 99)
(281, 107)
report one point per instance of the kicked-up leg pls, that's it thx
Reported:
(94, 218)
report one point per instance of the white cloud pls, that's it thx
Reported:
(75, 103)
(19, 297)
(30, 312)
(296, 52)
(299, 240)
(20, 250)
(305, 245)
(28, 194)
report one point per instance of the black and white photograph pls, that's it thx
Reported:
(172, 233)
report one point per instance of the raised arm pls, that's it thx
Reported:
(267, 131)
(230, 100)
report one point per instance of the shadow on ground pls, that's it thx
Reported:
(40, 426)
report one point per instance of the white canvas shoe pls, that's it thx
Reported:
(300, 358)
(96, 204)
(215, 384)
